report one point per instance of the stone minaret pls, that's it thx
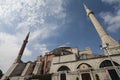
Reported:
(18, 59)
(18, 66)
(114, 46)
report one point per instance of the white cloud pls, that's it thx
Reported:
(45, 32)
(9, 48)
(110, 18)
(111, 1)
(29, 12)
(20, 16)
(41, 48)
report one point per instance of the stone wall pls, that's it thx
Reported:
(64, 58)
(72, 65)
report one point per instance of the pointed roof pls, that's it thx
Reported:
(26, 39)
(24, 44)
(85, 6)
(88, 11)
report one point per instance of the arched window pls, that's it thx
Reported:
(84, 66)
(107, 63)
(63, 68)
(112, 72)
(63, 75)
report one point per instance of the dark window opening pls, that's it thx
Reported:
(112, 72)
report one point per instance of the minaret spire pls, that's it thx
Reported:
(88, 11)
(105, 37)
(18, 59)
(95, 22)
(17, 66)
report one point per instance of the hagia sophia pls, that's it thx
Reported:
(69, 63)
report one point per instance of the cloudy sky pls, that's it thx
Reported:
(53, 23)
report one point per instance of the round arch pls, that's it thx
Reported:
(84, 66)
(63, 68)
(112, 72)
(107, 63)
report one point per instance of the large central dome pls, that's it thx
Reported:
(61, 51)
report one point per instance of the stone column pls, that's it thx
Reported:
(80, 76)
(91, 74)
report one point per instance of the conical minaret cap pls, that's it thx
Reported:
(24, 44)
(88, 11)
(26, 39)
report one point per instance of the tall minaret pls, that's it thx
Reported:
(18, 59)
(114, 46)
(15, 69)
